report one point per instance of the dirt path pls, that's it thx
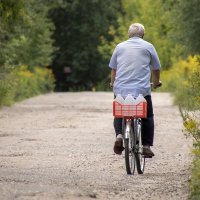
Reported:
(59, 146)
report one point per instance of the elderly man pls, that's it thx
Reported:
(131, 65)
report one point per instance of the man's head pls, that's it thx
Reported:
(136, 29)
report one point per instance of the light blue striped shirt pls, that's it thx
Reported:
(133, 60)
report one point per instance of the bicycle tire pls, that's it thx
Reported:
(139, 158)
(140, 163)
(129, 158)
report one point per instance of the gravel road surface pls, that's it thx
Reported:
(60, 146)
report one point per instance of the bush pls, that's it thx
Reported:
(45, 79)
(6, 91)
(21, 83)
(183, 80)
(195, 180)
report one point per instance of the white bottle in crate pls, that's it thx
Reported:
(141, 106)
(140, 99)
(119, 99)
(129, 100)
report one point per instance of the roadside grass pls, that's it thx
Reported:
(21, 83)
(183, 81)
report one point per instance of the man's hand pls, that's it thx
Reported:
(111, 85)
(156, 84)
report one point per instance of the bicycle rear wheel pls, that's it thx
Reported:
(129, 153)
(129, 157)
(139, 158)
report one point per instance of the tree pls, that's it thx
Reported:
(25, 33)
(188, 21)
(156, 15)
(79, 26)
(10, 13)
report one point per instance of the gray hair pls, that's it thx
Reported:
(136, 29)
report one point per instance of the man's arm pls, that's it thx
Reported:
(156, 78)
(113, 74)
(155, 67)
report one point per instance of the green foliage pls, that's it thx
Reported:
(187, 17)
(21, 83)
(157, 28)
(103, 85)
(182, 79)
(25, 39)
(32, 83)
(10, 11)
(79, 27)
(25, 34)
(195, 179)
(193, 127)
(156, 15)
(6, 91)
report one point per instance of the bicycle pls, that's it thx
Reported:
(132, 138)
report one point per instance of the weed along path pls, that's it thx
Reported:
(60, 146)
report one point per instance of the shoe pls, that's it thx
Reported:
(118, 146)
(147, 152)
(148, 156)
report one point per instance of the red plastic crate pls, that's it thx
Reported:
(139, 110)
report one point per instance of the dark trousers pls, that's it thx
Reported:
(147, 124)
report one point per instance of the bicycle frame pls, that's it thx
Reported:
(131, 128)
(139, 135)
(128, 127)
